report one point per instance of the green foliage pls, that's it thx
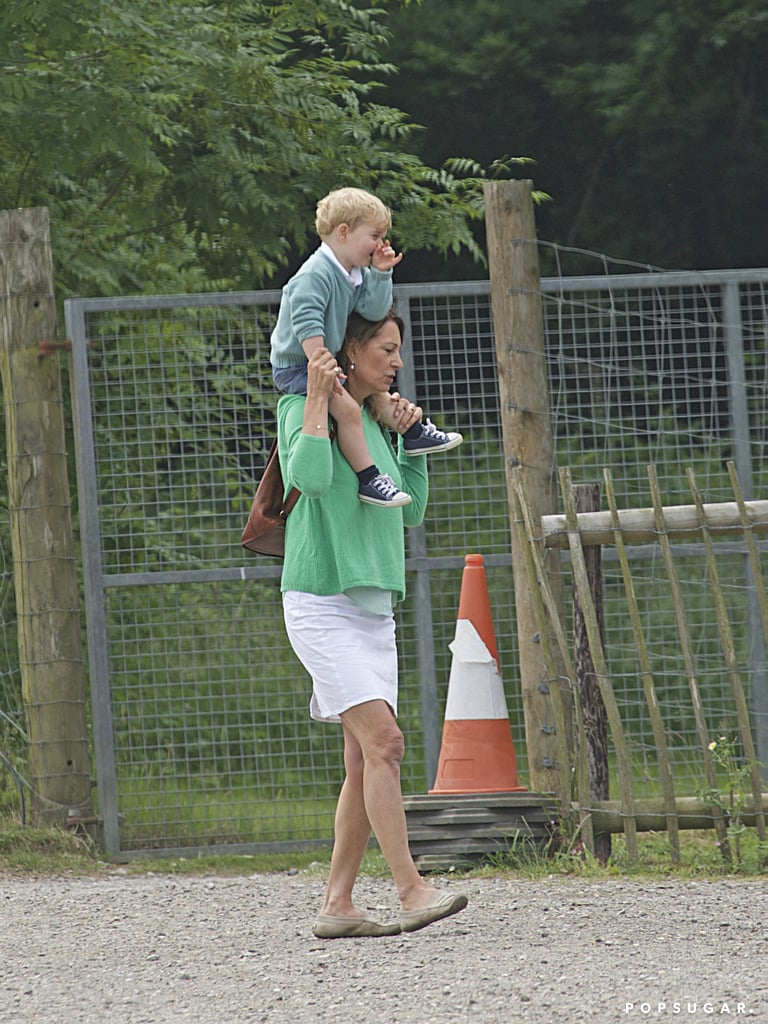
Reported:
(735, 771)
(647, 121)
(37, 851)
(183, 147)
(181, 440)
(12, 736)
(566, 855)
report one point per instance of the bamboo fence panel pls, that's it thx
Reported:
(684, 635)
(624, 764)
(729, 651)
(649, 689)
(549, 622)
(619, 528)
(753, 554)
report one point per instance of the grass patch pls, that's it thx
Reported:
(46, 851)
(199, 811)
(700, 857)
(54, 851)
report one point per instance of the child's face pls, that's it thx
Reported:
(354, 247)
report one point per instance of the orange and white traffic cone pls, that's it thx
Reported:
(477, 754)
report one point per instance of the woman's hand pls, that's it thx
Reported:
(322, 374)
(322, 379)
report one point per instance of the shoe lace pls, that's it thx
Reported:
(432, 431)
(385, 485)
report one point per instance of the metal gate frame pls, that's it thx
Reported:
(421, 565)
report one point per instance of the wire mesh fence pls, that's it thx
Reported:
(201, 731)
(669, 370)
(12, 730)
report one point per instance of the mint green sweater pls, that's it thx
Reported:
(318, 300)
(333, 541)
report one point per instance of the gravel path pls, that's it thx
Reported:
(156, 949)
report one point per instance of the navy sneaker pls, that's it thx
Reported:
(431, 440)
(383, 490)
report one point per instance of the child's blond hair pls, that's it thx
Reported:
(351, 206)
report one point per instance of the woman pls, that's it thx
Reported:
(344, 571)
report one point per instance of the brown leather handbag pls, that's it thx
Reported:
(264, 532)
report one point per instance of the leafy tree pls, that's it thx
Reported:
(183, 146)
(648, 121)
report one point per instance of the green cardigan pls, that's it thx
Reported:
(333, 541)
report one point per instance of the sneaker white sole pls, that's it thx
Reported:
(435, 448)
(382, 503)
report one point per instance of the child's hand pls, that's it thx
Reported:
(396, 412)
(385, 257)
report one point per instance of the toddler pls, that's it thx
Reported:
(350, 271)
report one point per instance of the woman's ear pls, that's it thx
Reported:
(351, 353)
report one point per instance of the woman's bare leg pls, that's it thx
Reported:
(352, 830)
(372, 798)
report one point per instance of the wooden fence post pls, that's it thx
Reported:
(587, 499)
(528, 450)
(45, 576)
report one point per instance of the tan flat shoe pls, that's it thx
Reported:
(442, 904)
(328, 926)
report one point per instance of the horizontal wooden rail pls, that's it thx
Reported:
(692, 812)
(681, 522)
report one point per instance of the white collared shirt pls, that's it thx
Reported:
(355, 276)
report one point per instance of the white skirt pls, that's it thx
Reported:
(350, 653)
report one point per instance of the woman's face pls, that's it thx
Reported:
(376, 362)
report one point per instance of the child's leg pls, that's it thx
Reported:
(420, 438)
(374, 488)
(349, 431)
(290, 380)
